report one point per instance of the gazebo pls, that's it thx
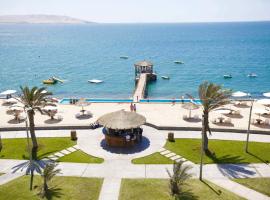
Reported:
(122, 128)
(144, 67)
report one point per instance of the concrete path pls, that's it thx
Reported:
(239, 189)
(110, 189)
(5, 178)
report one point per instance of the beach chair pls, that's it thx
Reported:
(185, 117)
(267, 122)
(196, 117)
(228, 121)
(253, 121)
(237, 112)
(214, 121)
(59, 117)
(89, 113)
(22, 117)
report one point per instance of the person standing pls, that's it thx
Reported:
(134, 107)
(131, 107)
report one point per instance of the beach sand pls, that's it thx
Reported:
(168, 115)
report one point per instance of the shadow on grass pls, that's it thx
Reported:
(186, 195)
(218, 192)
(54, 192)
(259, 158)
(232, 166)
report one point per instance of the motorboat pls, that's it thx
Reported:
(252, 75)
(178, 62)
(50, 81)
(124, 57)
(227, 76)
(95, 81)
(165, 77)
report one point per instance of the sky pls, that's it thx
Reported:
(139, 11)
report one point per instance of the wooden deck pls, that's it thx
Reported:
(140, 89)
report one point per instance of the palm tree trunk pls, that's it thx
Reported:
(45, 187)
(32, 133)
(204, 131)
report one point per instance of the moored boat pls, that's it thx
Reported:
(95, 81)
(252, 75)
(178, 62)
(227, 76)
(165, 77)
(124, 57)
(50, 81)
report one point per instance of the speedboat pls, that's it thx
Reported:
(227, 76)
(252, 75)
(165, 77)
(95, 81)
(178, 62)
(124, 57)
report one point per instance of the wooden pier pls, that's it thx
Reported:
(143, 74)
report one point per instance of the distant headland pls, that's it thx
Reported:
(40, 19)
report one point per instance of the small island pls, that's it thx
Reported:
(40, 19)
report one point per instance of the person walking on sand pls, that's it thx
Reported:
(173, 101)
(131, 107)
(134, 107)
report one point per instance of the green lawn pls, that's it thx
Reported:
(80, 157)
(64, 188)
(223, 151)
(154, 158)
(152, 189)
(259, 184)
(17, 148)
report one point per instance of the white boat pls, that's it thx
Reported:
(95, 81)
(124, 57)
(178, 62)
(252, 75)
(227, 76)
(165, 77)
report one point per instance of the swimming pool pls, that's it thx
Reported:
(67, 101)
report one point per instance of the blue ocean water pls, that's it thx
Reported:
(77, 53)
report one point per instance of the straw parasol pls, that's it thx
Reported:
(223, 111)
(190, 106)
(122, 120)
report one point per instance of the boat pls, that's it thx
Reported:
(95, 81)
(252, 75)
(178, 62)
(50, 81)
(124, 57)
(165, 77)
(58, 79)
(227, 76)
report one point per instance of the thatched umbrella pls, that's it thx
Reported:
(190, 106)
(122, 120)
(82, 103)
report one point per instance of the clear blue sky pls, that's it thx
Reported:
(114, 11)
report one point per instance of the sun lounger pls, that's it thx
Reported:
(185, 117)
(267, 122)
(228, 121)
(237, 112)
(59, 117)
(196, 117)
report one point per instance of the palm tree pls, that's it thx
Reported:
(48, 173)
(212, 96)
(178, 179)
(33, 99)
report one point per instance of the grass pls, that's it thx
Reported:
(154, 158)
(222, 151)
(152, 189)
(80, 157)
(63, 188)
(261, 185)
(17, 148)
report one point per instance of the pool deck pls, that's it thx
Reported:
(158, 114)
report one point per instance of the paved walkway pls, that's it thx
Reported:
(118, 164)
(239, 189)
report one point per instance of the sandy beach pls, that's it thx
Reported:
(159, 114)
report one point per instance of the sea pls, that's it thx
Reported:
(30, 53)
